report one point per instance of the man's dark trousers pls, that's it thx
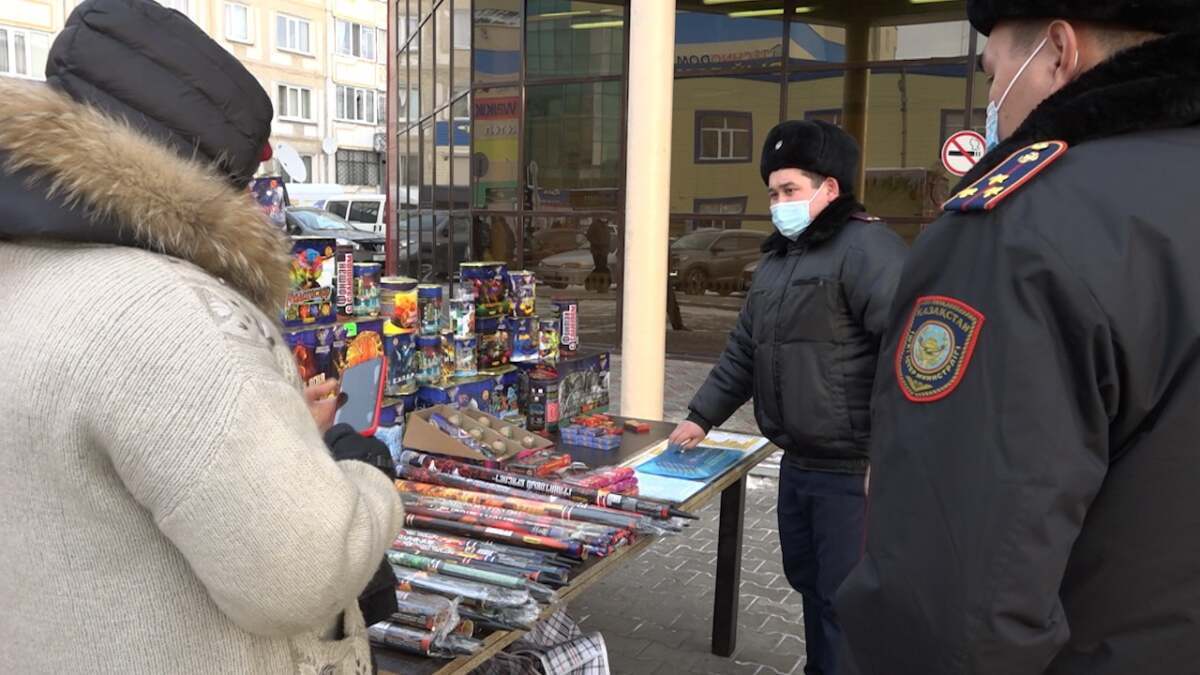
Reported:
(821, 521)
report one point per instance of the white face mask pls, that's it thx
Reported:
(793, 218)
(993, 109)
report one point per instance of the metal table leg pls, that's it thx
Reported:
(729, 569)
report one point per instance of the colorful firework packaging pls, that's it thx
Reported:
(464, 357)
(429, 307)
(312, 272)
(473, 593)
(553, 577)
(525, 346)
(495, 343)
(422, 643)
(538, 592)
(560, 489)
(483, 550)
(398, 302)
(548, 340)
(462, 313)
(489, 281)
(448, 356)
(366, 289)
(399, 348)
(543, 401)
(429, 359)
(344, 283)
(567, 311)
(588, 533)
(431, 613)
(572, 549)
(522, 287)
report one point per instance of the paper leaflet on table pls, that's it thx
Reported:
(679, 490)
(744, 443)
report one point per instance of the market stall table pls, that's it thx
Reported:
(731, 486)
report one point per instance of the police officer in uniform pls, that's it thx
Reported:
(1035, 488)
(805, 346)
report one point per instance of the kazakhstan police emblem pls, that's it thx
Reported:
(937, 347)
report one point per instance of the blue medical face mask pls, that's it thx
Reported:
(993, 109)
(793, 218)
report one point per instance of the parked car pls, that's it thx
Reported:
(748, 275)
(365, 211)
(714, 260)
(547, 243)
(574, 267)
(430, 245)
(306, 221)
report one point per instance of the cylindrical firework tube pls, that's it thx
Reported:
(475, 594)
(431, 613)
(575, 549)
(539, 592)
(441, 485)
(488, 550)
(422, 643)
(541, 575)
(553, 488)
(597, 535)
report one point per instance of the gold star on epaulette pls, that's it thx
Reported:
(1039, 146)
(998, 179)
(969, 192)
(1027, 158)
(1006, 177)
(992, 192)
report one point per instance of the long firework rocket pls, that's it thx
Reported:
(575, 549)
(475, 594)
(577, 493)
(422, 643)
(523, 529)
(539, 592)
(489, 549)
(485, 550)
(540, 575)
(457, 488)
(506, 518)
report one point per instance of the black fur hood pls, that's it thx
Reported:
(1150, 87)
(823, 228)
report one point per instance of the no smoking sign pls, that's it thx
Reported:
(962, 151)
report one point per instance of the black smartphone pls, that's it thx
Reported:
(362, 395)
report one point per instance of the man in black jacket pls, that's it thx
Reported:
(1035, 490)
(805, 347)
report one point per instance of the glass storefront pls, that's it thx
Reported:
(509, 126)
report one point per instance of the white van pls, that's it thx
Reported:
(365, 212)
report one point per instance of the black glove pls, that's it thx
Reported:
(378, 599)
(346, 443)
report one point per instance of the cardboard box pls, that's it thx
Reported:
(421, 434)
(582, 384)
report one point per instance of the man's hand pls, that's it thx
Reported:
(322, 403)
(687, 435)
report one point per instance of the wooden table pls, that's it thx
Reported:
(731, 486)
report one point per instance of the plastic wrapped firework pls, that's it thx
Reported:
(574, 549)
(561, 489)
(539, 592)
(515, 518)
(422, 643)
(543, 576)
(484, 551)
(486, 547)
(513, 619)
(450, 486)
(475, 594)
(522, 289)
(429, 309)
(448, 362)
(521, 527)
(601, 478)
(431, 613)
(462, 313)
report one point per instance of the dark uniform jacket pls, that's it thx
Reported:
(1035, 490)
(807, 337)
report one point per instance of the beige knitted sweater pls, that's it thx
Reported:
(167, 504)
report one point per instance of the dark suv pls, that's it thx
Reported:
(713, 260)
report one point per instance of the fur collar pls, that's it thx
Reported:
(823, 228)
(136, 192)
(1153, 86)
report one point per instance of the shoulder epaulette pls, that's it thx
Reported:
(1020, 168)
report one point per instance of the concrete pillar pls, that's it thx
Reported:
(856, 94)
(651, 26)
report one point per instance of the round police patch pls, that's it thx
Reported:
(937, 347)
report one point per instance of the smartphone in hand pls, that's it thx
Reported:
(362, 395)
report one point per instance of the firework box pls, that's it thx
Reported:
(421, 434)
(310, 299)
(583, 383)
(323, 352)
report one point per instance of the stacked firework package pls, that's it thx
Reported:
(495, 540)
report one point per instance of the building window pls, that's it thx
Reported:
(357, 167)
(291, 34)
(295, 103)
(356, 105)
(955, 120)
(462, 29)
(177, 5)
(722, 206)
(356, 40)
(723, 136)
(381, 107)
(23, 52)
(237, 23)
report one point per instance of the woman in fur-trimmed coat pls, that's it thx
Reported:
(167, 504)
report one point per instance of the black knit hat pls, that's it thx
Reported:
(152, 66)
(815, 146)
(1156, 16)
